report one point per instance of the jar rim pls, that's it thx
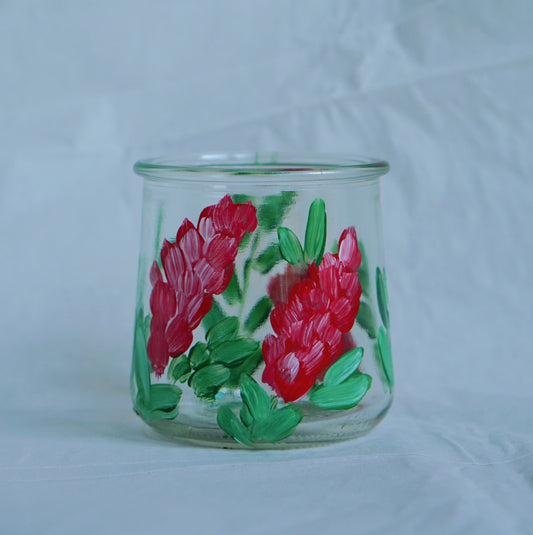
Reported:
(269, 168)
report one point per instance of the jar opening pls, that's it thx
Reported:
(268, 167)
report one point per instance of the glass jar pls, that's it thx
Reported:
(262, 317)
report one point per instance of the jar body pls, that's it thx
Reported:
(262, 317)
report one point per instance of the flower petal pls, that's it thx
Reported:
(183, 229)
(157, 347)
(189, 284)
(349, 252)
(332, 337)
(182, 301)
(315, 359)
(172, 261)
(329, 260)
(342, 311)
(206, 228)
(197, 308)
(292, 391)
(221, 251)
(227, 273)
(273, 348)
(223, 215)
(178, 335)
(329, 280)
(191, 245)
(349, 285)
(288, 367)
(212, 280)
(304, 333)
(163, 301)
(155, 273)
(246, 217)
(278, 319)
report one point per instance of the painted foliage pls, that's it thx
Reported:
(308, 312)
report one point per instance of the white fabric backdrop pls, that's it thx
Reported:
(442, 89)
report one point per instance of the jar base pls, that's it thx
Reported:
(317, 432)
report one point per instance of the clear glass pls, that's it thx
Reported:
(262, 317)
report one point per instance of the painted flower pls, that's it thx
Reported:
(280, 285)
(196, 266)
(310, 325)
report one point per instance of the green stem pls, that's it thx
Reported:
(158, 233)
(246, 271)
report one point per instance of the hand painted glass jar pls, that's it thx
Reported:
(262, 317)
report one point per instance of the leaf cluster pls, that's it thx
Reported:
(259, 420)
(218, 362)
(343, 386)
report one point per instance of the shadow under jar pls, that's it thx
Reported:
(261, 316)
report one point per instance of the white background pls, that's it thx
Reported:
(441, 89)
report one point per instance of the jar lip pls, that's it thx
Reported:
(269, 168)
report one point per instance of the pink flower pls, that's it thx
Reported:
(312, 326)
(196, 266)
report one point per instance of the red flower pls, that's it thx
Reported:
(311, 326)
(280, 286)
(196, 266)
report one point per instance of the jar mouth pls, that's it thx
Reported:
(268, 168)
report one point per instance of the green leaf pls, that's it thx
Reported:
(255, 398)
(248, 263)
(269, 215)
(157, 241)
(267, 259)
(146, 327)
(231, 425)
(232, 294)
(362, 250)
(240, 198)
(365, 318)
(335, 247)
(290, 247)
(141, 364)
(198, 355)
(208, 380)
(245, 415)
(163, 404)
(245, 241)
(315, 232)
(381, 365)
(247, 367)
(287, 199)
(224, 330)
(364, 280)
(259, 418)
(364, 276)
(344, 367)
(214, 316)
(233, 352)
(258, 315)
(385, 351)
(273, 209)
(381, 290)
(278, 426)
(184, 378)
(179, 366)
(164, 397)
(341, 396)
